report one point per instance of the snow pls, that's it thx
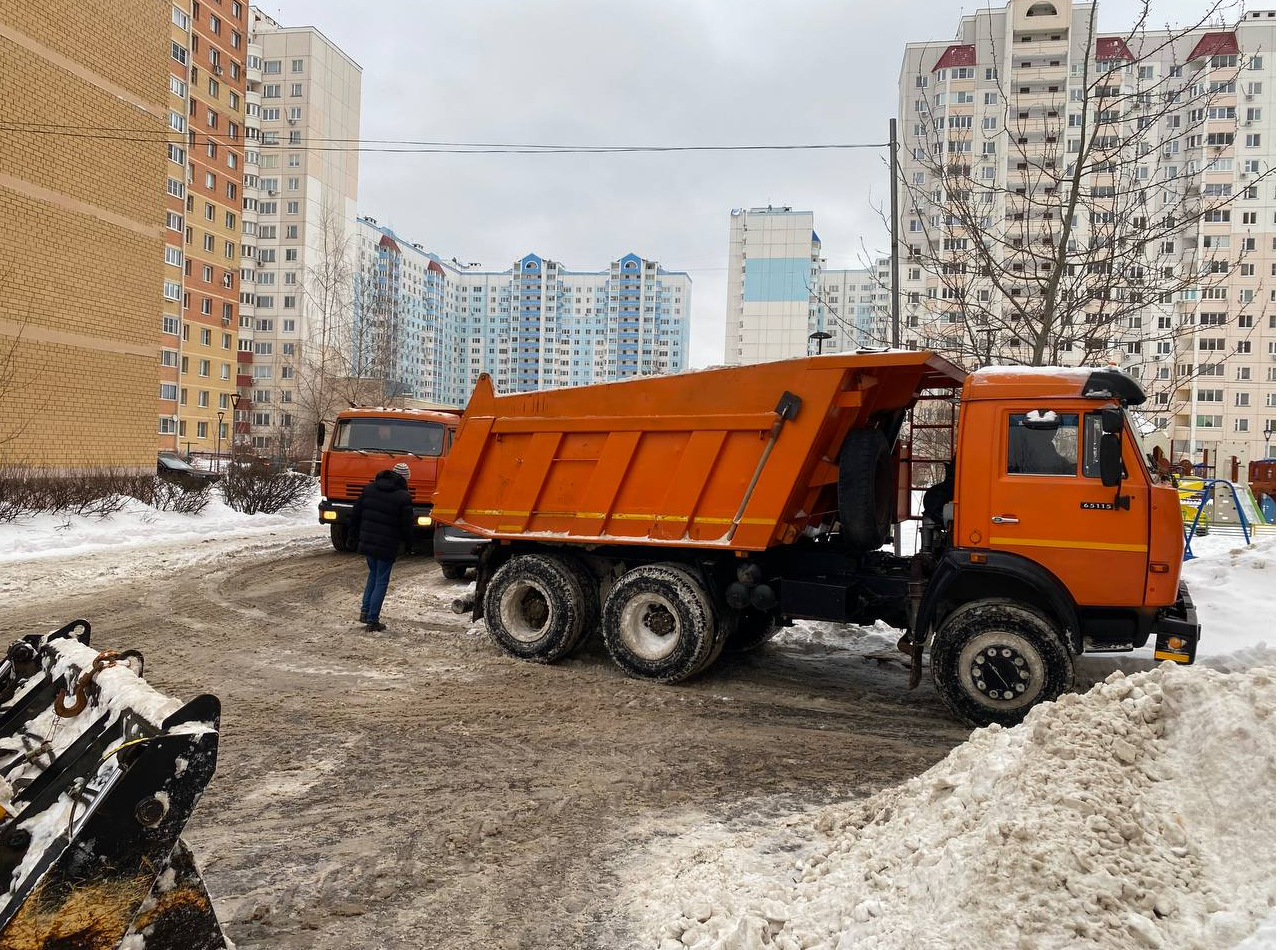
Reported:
(78, 554)
(138, 526)
(1112, 819)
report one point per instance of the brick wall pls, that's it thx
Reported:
(81, 247)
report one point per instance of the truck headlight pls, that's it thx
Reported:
(424, 521)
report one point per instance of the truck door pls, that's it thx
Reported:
(1047, 504)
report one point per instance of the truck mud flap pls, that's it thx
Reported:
(99, 774)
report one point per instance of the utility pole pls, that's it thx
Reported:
(895, 243)
(893, 162)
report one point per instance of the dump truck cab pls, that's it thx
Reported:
(1055, 508)
(366, 441)
(690, 514)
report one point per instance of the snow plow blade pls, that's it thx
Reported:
(98, 776)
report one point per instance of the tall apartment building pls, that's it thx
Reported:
(780, 290)
(773, 270)
(854, 305)
(302, 105)
(207, 76)
(535, 325)
(80, 246)
(1177, 121)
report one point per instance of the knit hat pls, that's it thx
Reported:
(400, 468)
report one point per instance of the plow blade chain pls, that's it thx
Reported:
(93, 800)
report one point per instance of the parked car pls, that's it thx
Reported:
(172, 468)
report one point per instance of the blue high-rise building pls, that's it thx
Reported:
(438, 324)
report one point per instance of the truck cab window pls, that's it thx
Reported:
(1033, 449)
(1091, 446)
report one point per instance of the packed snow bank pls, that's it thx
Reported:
(1235, 591)
(138, 525)
(1139, 814)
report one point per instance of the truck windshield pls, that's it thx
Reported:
(393, 436)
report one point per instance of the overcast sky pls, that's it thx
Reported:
(666, 72)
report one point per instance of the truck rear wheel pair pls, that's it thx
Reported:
(992, 660)
(657, 621)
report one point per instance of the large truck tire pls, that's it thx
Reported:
(658, 623)
(454, 572)
(534, 607)
(750, 629)
(590, 594)
(993, 660)
(340, 540)
(866, 489)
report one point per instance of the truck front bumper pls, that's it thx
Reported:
(1177, 629)
(340, 512)
(334, 512)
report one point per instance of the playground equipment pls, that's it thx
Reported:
(1197, 493)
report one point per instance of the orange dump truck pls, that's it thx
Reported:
(363, 443)
(684, 515)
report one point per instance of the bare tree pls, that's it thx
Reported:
(352, 339)
(1099, 241)
(1090, 225)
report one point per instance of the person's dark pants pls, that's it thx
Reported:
(376, 586)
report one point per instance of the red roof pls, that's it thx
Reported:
(390, 244)
(435, 268)
(1111, 48)
(957, 55)
(1215, 44)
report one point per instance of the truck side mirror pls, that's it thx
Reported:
(1111, 459)
(1111, 420)
(320, 435)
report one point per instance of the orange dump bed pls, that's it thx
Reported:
(682, 460)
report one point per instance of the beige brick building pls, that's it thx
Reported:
(81, 246)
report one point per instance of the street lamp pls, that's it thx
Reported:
(237, 398)
(819, 336)
(218, 443)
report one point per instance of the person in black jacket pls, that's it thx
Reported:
(382, 518)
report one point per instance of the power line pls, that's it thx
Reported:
(394, 146)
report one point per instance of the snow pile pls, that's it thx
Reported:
(1234, 589)
(818, 636)
(1137, 815)
(140, 525)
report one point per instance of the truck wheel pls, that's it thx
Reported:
(339, 538)
(658, 623)
(454, 572)
(534, 607)
(992, 660)
(866, 489)
(590, 594)
(749, 630)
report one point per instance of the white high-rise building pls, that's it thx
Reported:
(534, 325)
(989, 113)
(780, 291)
(770, 284)
(302, 105)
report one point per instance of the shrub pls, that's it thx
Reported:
(185, 497)
(251, 489)
(25, 492)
